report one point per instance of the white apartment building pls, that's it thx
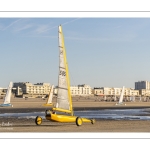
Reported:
(106, 91)
(3, 91)
(83, 90)
(27, 88)
(144, 92)
(142, 85)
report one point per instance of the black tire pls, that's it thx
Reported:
(38, 120)
(47, 113)
(78, 121)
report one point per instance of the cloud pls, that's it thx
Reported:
(1, 27)
(87, 39)
(24, 27)
(42, 28)
(11, 24)
(61, 24)
(71, 21)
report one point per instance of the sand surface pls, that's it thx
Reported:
(36, 105)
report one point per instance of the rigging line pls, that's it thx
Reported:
(70, 74)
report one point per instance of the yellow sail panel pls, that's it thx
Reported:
(63, 96)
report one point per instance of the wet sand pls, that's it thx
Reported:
(36, 105)
(28, 125)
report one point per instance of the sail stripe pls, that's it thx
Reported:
(62, 67)
(62, 88)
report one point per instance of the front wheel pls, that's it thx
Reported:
(38, 120)
(78, 121)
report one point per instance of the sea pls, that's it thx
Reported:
(102, 114)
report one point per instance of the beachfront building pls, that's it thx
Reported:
(106, 91)
(82, 90)
(142, 85)
(3, 91)
(144, 92)
(27, 89)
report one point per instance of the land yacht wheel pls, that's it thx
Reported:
(78, 121)
(92, 121)
(47, 113)
(38, 120)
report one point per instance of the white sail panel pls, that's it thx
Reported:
(49, 101)
(121, 96)
(62, 95)
(8, 94)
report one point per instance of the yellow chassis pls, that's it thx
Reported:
(64, 118)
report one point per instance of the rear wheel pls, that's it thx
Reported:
(47, 112)
(38, 120)
(78, 121)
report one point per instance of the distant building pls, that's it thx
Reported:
(27, 89)
(106, 91)
(3, 91)
(83, 90)
(142, 85)
(144, 92)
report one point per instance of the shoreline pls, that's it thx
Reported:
(36, 105)
(27, 110)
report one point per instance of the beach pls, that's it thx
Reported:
(20, 105)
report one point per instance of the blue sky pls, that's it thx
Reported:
(109, 52)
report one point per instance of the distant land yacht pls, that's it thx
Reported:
(8, 97)
(121, 97)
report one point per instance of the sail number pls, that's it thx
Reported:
(62, 73)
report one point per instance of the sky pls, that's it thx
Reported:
(101, 52)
